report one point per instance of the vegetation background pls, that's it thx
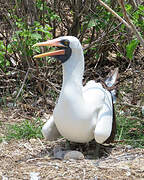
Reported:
(29, 88)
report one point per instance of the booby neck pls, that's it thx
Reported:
(73, 69)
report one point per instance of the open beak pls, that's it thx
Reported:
(50, 43)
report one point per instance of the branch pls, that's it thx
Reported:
(129, 23)
(22, 84)
(114, 13)
(100, 38)
(133, 28)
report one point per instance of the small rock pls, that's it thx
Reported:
(74, 155)
(128, 147)
(4, 178)
(59, 152)
(128, 173)
(32, 141)
(34, 176)
(95, 178)
(11, 105)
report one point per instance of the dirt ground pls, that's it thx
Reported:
(33, 159)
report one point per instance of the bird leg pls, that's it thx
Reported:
(97, 151)
(67, 145)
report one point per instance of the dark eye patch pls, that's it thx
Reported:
(65, 42)
(68, 51)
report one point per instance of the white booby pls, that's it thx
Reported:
(82, 113)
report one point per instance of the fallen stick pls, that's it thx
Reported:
(22, 84)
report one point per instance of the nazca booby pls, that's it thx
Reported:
(82, 113)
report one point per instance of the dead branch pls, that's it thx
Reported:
(114, 13)
(22, 84)
(129, 23)
(133, 27)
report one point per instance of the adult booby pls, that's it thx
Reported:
(82, 112)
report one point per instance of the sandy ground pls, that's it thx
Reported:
(34, 159)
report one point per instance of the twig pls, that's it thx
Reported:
(96, 41)
(99, 40)
(22, 84)
(41, 143)
(129, 23)
(84, 172)
(130, 105)
(114, 13)
(133, 28)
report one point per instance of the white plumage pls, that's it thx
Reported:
(82, 113)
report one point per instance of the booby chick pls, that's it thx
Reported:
(81, 113)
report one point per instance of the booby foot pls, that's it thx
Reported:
(67, 145)
(97, 151)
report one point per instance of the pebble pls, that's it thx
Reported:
(32, 141)
(128, 147)
(74, 155)
(34, 176)
(59, 152)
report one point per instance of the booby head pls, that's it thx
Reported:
(65, 44)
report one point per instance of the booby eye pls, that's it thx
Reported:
(65, 42)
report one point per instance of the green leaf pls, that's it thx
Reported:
(2, 53)
(36, 36)
(128, 7)
(7, 63)
(120, 14)
(92, 23)
(2, 46)
(141, 7)
(130, 48)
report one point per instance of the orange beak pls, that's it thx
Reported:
(51, 43)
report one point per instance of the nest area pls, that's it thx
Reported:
(21, 159)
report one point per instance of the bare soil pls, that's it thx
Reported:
(19, 159)
(33, 159)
